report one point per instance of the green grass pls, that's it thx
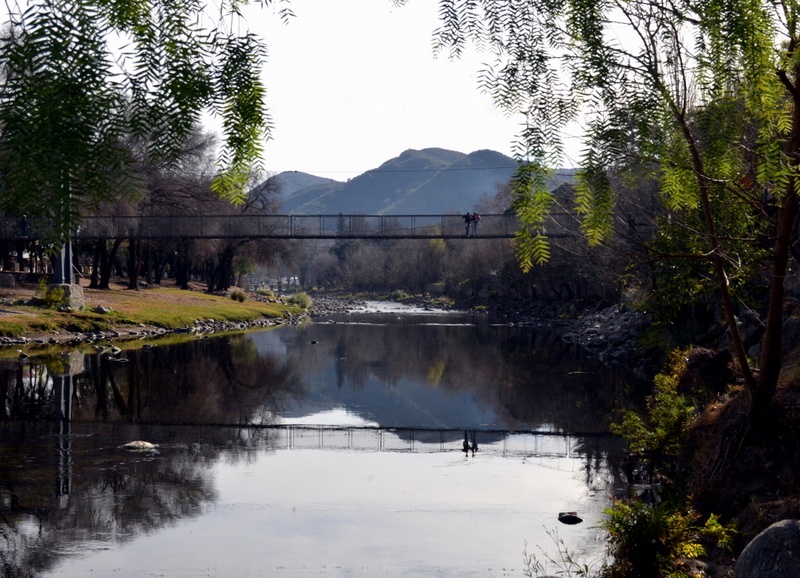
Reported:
(167, 308)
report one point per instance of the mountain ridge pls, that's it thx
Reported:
(426, 181)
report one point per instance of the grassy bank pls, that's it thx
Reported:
(163, 307)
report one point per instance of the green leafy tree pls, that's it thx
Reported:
(705, 92)
(79, 78)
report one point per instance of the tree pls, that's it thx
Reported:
(69, 99)
(423, 262)
(706, 93)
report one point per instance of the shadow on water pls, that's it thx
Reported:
(67, 485)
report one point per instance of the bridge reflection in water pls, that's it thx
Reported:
(503, 443)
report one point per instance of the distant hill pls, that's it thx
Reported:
(429, 181)
(293, 181)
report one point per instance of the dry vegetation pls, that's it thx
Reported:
(746, 474)
(743, 474)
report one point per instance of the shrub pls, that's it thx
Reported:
(268, 293)
(399, 295)
(644, 540)
(648, 541)
(302, 300)
(658, 438)
(51, 297)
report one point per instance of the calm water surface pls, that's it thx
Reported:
(377, 444)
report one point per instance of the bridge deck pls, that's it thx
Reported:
(491, 226)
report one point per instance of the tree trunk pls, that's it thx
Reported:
(159, 265)
(717, 253)
(94, 279)
(77, 274)
(107, 263)
(148, 263)
(134, 262)
(221, 273)
(20, 255)
(8, 264)
(772, 344)
(182, 264)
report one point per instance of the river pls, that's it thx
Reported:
(391, 442)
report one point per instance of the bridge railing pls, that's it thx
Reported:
(285, 226)
(419, 440)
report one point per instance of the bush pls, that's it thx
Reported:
(268, 293)
(399, 295)
(51, 297)
(238, 295)
(302, 300)
(648, 541)
(658, 438)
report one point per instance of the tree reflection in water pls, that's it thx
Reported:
(526, 378)
(212, 381)
(101, 491)
(66, 486)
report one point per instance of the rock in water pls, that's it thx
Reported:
(569, 518)
(139, 446)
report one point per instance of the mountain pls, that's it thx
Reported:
(293, 181)
(428, 181)
(458, 188)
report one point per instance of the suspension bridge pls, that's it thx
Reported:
(354, 226)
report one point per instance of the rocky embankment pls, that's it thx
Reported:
(611, 334)
(326, 305)
(200, 328)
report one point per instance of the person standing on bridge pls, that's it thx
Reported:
(475, 220)
(467, 221)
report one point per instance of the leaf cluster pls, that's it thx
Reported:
(51, 297)
(80, 79)
(688, 91)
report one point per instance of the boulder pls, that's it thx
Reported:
(73, 294)
(775, 552)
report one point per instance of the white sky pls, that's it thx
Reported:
(353, 83)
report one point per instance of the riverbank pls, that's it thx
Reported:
(120, 313)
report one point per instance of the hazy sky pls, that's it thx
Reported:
(353, 83)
